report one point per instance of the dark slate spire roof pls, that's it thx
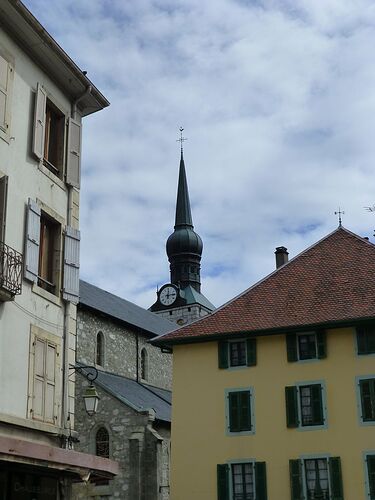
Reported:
(183, 210)
(330, 283)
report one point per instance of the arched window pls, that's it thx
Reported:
(144, 364)
(102, 443)
(100, 349)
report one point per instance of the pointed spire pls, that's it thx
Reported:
(183, 210)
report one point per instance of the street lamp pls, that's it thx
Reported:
(90, 397)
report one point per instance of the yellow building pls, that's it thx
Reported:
(274, 392)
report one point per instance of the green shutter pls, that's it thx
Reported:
(251, 352)
(361, 340)
(222, 482)
(317, 404)
(223, 353)
(291, 403)
(260, 481)
(370, 459)
(296, 488)
(335, 479)
(245, 414)
(367, 390)
(291, 347)
(321, 342)
(234, 412)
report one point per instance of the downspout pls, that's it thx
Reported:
(137, 359)
(66, 424)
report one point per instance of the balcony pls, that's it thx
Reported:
(10, 272)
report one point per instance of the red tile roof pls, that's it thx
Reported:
(332, 281)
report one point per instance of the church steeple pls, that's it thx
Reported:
(184, 245)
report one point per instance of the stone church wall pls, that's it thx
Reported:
(120, 349)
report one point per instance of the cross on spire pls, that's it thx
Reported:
(181, 139)
(340, 213)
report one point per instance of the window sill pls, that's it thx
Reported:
(51, 176)
(304, 428)
(46, 295)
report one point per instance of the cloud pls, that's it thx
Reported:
(277, 100)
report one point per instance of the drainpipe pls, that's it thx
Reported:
(137, 358)
(79, 99)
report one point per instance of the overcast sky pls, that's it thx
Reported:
(277, 99)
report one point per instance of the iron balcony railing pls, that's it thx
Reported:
(10, 270)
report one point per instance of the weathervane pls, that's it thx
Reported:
(340, 213)
(181, 139)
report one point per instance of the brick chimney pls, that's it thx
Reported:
(281, 256)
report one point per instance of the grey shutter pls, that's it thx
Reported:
(260, 481)
(223, 354)
(4, 91)
(3, 206)
(251, 352)
(71, 265)
(291, 403)
(73, 169)
(335, 479)
(39, 122)
(291, 347)
(32, 241)
(223, 482)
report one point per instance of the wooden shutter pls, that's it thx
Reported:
(3, 205)
(39, 122)
(73, 169)
(71, 265)
(234, 412)
(370, 459)
(50, 383)
(361, 340)
(223, 353)
(335, 479)
(291, 347)
(39, 379)
(321, 342)
(5, 71)
(317, 404)
(291, 404)
(260, 481)
(251, 352)
(239, 411)
(223, 482)
(32, 241)
(296, 486)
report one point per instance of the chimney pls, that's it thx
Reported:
(281, 256)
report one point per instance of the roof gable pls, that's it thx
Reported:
(332, 281)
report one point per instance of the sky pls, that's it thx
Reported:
(277, 99)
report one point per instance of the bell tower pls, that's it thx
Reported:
(181, 300)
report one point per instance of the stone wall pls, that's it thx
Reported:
(183, 315)
(141, 450)
(120, 348)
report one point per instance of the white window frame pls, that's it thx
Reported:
(324, 405)
(302, 334)
(5, 131)
(322, 456)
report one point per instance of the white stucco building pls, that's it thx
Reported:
(43, 98)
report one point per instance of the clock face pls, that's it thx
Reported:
(168, 295)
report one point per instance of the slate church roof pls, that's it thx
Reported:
(120, 309)
(332, 282)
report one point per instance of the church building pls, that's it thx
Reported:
(181, 300)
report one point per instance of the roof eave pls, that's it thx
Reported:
(48, 54)
(169, 343)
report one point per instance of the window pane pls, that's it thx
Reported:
(243, 481)
(307, 346)
(311, 404)
(102, 442)
(237, 353)
(317, 485)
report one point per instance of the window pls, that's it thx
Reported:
(370, 463)
(316, 478)
(242, 481)
(50, 139)
(144, 364)
(237, 353)
(366, 340)
(239, 411)
(100, 349)
(44, 372)
(43, 252)
(6, 79)
(49, 253)
(305, 346)
(305, 406)
(367, 396)
(102, 443)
